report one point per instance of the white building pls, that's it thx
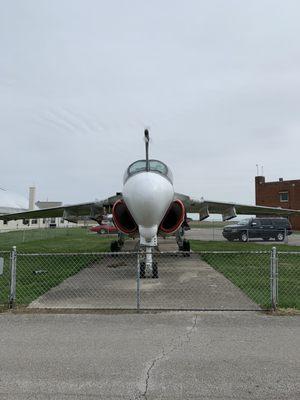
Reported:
(11, 202)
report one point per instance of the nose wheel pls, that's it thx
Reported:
(154, 270)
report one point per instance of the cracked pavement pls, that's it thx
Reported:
(175, 355)
(166, 353)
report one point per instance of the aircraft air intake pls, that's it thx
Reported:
(173, 218)
(123, 219)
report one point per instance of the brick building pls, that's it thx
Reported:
(284, 194)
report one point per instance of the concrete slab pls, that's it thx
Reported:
(171, 356)
(183, 283)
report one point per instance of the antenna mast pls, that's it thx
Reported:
(147, 149)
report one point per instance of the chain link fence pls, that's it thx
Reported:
(207, 280)
(5, 264)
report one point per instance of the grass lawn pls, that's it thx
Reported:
(251, 272)
(57, 268)
(64, 240)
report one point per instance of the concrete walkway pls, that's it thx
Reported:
(183, 283)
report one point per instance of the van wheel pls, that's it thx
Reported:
(244, 237)
(279, 237)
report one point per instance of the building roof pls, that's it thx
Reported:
(11, 202)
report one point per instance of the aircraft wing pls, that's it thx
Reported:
(230, 210)
(93, 210)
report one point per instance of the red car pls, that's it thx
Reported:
(104, 229)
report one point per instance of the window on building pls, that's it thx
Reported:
(34, 221)
(52, 221)
(62, 220)
(284, 196)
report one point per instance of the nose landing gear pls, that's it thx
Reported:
(154, 270)
(148, 267)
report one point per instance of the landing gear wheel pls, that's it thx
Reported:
(186, 247)
(244, 237)
(114, 247)
(279, 237)
(154, 270)
(142, 270)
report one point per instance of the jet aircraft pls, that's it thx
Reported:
(149, 207)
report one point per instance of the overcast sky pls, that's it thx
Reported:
(217, 82)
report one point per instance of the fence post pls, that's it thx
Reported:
(138, 283)
(13, 277)
(274, 278)
(286, 239)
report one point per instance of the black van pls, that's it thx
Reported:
(264, 228)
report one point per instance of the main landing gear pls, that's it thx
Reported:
(117, 245)
(183, 244)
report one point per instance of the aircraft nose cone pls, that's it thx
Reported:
(148, 196)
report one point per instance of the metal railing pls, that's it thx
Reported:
(206, 280)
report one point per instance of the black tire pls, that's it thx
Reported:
(186, 246)
(142, 270)
(114, 247)
(279, 237)
(243, 237)
(102, 231)
(155, 270)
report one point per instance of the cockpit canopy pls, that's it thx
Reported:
(155, 166)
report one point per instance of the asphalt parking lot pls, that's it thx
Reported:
(215, 234)
(211, 355)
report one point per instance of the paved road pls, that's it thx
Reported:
(215, 234)
(216, 355)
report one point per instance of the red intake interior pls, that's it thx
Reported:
(123, 219)
(173, 218)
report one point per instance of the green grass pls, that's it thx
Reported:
(58, 268)
(199, 245)
(55, 240)
(251, 272)
(55, 269)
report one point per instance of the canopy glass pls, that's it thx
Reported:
(155, 166)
